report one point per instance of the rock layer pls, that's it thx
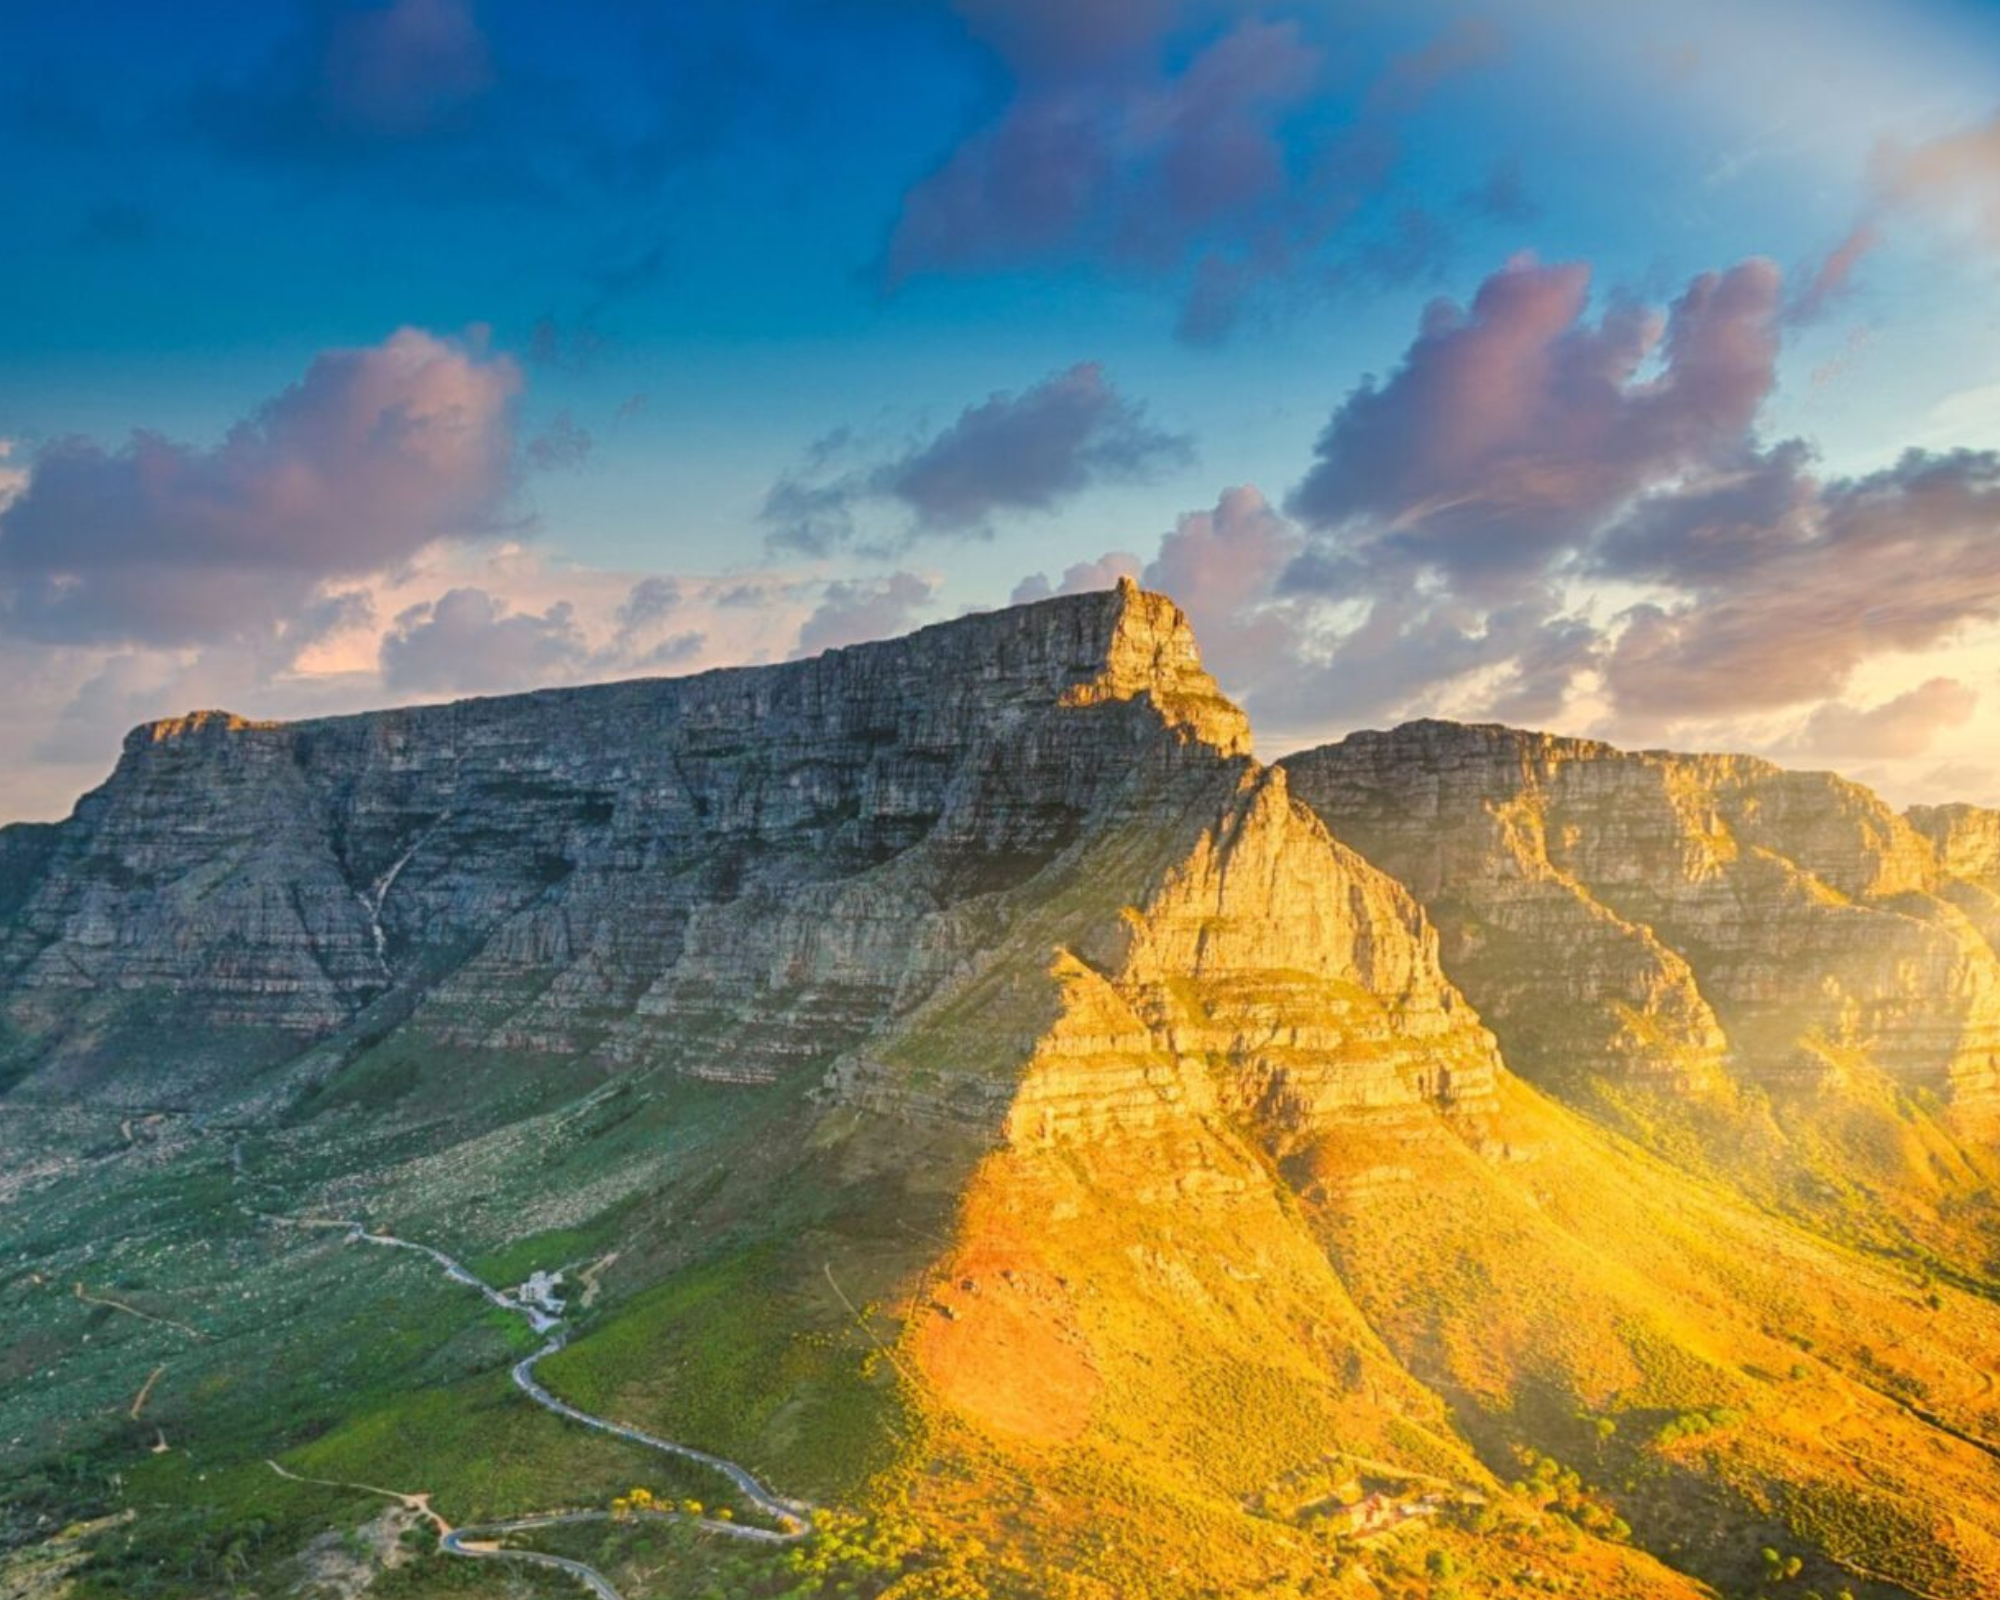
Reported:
(1687, 918)
(780, 853)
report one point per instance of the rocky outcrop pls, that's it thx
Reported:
(1680, 918)
(1967, 841)
(1204, 952)
(1309, 977)
(25, 848)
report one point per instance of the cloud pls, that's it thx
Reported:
(1465, 43)
(1833, 279)
(1085, 577)
(1713, 529)
(1209, 165)
(1308, 660)
(374, 454)
(1957, 175)
(414, 99)
(457, 618)
(115, 694)
(395, 70)
(1898, 560)
(13, 479)
(1065, 35)
(1515, 425)
(1131, 163)
(469, 641)
(1030, 451)
(1025, 452)
(854, 611)
(1226, 559)
(1961, 780)
(561, 446)
(1895, 729)
(1223, 566)
(1549, 512)
(357, 78)
(653, 599)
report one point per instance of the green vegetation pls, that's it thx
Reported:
(727, 1357)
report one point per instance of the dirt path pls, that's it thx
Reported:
(479, 1543)
(419, 1502)
(794, 1517)
(146, 1391)
(90, 1299)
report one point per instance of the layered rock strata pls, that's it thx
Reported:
(732, 873)
(1647, 915)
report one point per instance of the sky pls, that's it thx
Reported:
(1628, 371)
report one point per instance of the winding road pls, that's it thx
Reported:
(794, 1517)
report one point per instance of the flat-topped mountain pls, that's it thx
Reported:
(545, 868)
(955, 1079)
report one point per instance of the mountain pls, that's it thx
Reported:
(960, 1084)
(1769, 976)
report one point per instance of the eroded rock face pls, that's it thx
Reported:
(1223, 957)
(1679, 918)
(751, 873)
(1967, 841)
(634, 868)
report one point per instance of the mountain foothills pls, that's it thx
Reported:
(955, 1080)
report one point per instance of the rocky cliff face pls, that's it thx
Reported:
(1685, 917)
(1967, 842)
(1768, 976)
(1217, 953)
(629, 869)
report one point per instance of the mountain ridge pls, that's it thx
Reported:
(363, 841)
(989, 1102)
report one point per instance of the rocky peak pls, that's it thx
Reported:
(1966, 838)
(191, 726)
(1152, 651)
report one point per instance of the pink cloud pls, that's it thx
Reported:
(1899, 560)
(375, 453)
(1958, 173)
(1514, 426)
(1833, 280)
(1134, 165)
(469, 641)
(1194, 167)
(1084, 577)
(1896, 729)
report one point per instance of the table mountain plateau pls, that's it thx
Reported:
(955, 1079)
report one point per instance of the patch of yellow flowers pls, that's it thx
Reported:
(644, 1500)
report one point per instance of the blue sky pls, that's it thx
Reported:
(372, 352)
